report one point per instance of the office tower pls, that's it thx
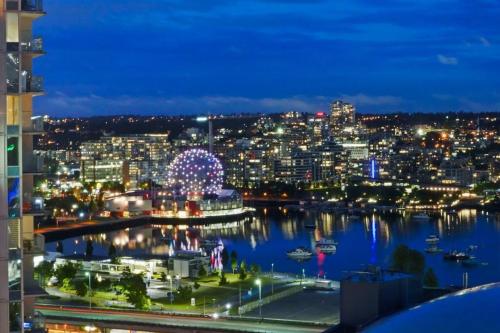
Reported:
(342, 115)
(18, 166)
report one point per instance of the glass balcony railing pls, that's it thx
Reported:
(33, 165)
(34, 206)
(25, 5)
(33, 46)
(33, 246)
(29, 84)
(35, 127)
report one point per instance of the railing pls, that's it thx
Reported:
(35, 206)
(33, 165)
(34, 46)
(36, 126)
(26, 5)
(29, 84)
(33, 246)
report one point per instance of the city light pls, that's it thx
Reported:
(196, 172)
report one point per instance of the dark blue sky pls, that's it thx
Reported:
(186, 56)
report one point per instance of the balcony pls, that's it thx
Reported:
(33, 47)
(34, 246)
(33, 166)
(36, 127)
(34, 207)
(30, 7)
(30, 84)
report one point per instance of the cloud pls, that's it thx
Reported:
(365, 100)
(60, 104)
(445, 60)
(484, 41)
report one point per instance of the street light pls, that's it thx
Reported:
(90, 289)
(171, 289)
(228, 307)
(259, 283)
(303, 275)
(272, 278)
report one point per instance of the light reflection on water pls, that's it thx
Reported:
(369, 239)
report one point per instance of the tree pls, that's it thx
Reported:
(408, 260)
(60, 247)
(243, 274)
(234, 255)
(163, 277)
(234, 264)
(243, 265)
(223, 279)
(202, 272)
(67, 270)
(430, 279)
(225, 257)
(255, 269)
(135, 290)
(81, 288)
(44, 271)
(196, 285)
(184, 293)
(89, 250)
(112, 251)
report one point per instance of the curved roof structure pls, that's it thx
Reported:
(471, 310)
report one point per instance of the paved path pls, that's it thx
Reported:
(125, 318)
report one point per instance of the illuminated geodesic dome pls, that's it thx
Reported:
(195, 172)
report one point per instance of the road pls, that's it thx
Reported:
(127, 318)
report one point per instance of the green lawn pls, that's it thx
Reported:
(208, 291)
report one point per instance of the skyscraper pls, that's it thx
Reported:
(342, 115)
(18, 165)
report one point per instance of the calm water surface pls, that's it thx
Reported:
(369, 240)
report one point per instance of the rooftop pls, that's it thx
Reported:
(470, 310)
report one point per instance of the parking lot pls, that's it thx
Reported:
(314, 306)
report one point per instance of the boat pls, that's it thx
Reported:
(300, 253)
(326, 241)
(354, 218)
(471, 262)
(432, 240)
(310, 226)
(327, 248)
(456, 256)
(433, 250)
(209, 243)
(421, 217)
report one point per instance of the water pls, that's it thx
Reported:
(369, 240)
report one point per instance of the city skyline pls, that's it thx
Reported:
(227, 57)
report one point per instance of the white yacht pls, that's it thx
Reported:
(326, 241)
(300, 253)
(432, 240)
(327, 248)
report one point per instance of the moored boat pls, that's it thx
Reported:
(326, 241)
(456, 256)
(421, 217)
(327, 249)
(299, 253)
(432, 240)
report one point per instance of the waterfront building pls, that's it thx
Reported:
(130, 159)
(18, 165)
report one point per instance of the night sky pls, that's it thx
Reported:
(224, 56)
